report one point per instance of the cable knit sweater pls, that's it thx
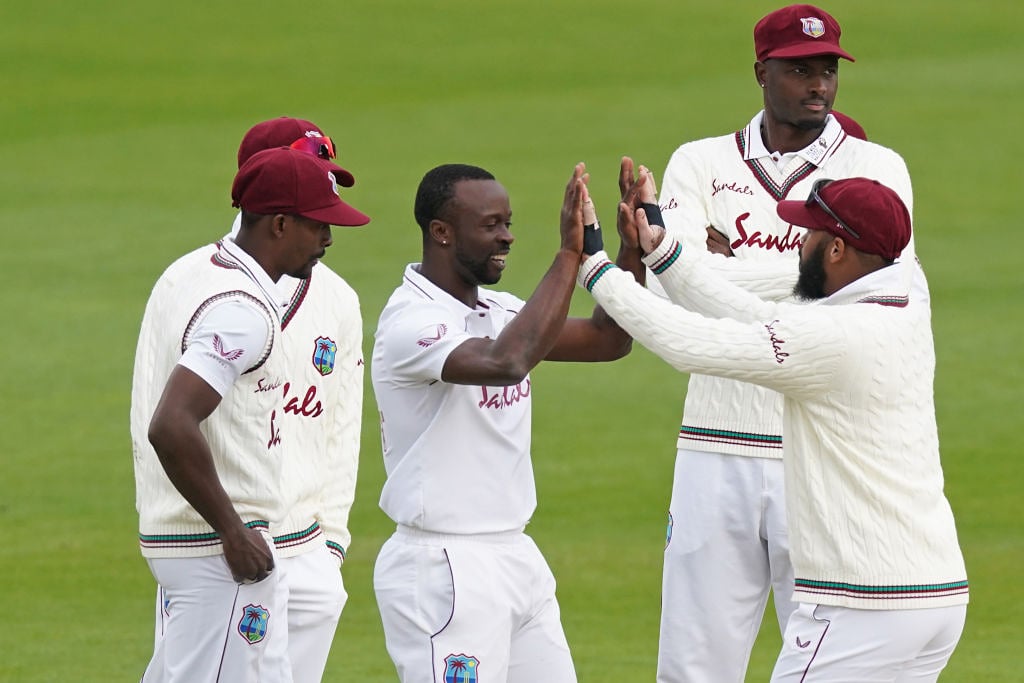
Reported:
(732, 182)
(869, 524)
(323, 401)
(244, 432)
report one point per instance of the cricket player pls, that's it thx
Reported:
(322, 339)
(727, 536)
(879, 575)
(464, 594)
(207, 426)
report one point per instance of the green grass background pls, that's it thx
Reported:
(119, 124)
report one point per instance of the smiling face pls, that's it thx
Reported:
(480, 216)
(799, 92)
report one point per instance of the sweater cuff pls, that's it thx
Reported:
(337, 550)
(592, 269)
(664, 255)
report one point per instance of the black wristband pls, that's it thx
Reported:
(653, 212)
(593, 242)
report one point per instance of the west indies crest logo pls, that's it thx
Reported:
(253, 624)
(812, 26)
(324, 352)
(460, 669)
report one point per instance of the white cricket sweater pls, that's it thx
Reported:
(244, 432)
(869, 524)
(733, 184)
(323, 401)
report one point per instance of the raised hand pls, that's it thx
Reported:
(593, 241)
(571, 222)
(649, 236)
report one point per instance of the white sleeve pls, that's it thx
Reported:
(790, 349)
(683, 206)
(695, 286)
(418, 343)
(232, 337)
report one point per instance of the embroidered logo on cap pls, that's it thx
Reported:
(812, 26)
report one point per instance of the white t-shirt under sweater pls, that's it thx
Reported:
(733, 183)
(457, 456)
(189, 320)
(323, 401)
(869, 524)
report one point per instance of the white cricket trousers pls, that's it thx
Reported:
(843, 645)
(316, 596)
(727, 546)
(214, 630)
(462, 609)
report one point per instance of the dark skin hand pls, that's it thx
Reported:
(185, 455)
(529, 337)
(599, 337)
(718, 243)
(540, 331)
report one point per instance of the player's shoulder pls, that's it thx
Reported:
(713, 144)
(204, 266)
(867, 148)
(705, 154)
(409, 306)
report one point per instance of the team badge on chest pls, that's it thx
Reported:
(324, 352)
(253, 624)
(460, 669)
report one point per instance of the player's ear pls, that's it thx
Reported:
(440, 232)
(836, 250)
(277, 225)
(760, 73)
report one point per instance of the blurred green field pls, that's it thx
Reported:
(119, 124)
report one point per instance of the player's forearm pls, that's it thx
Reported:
(528, 338)
(188, 463)
(692, 285)
(610, 341)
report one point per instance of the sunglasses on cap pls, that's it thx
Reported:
(815, 198)
(322, 147)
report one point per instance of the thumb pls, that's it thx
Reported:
(650, 237)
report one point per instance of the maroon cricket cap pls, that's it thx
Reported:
(289, 181)
(867, 206)
(798, 31)
(286, 131)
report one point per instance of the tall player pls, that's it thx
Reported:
(727, 544)
(207, 429)
(462, 590)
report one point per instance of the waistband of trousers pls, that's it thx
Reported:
(434, 538)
